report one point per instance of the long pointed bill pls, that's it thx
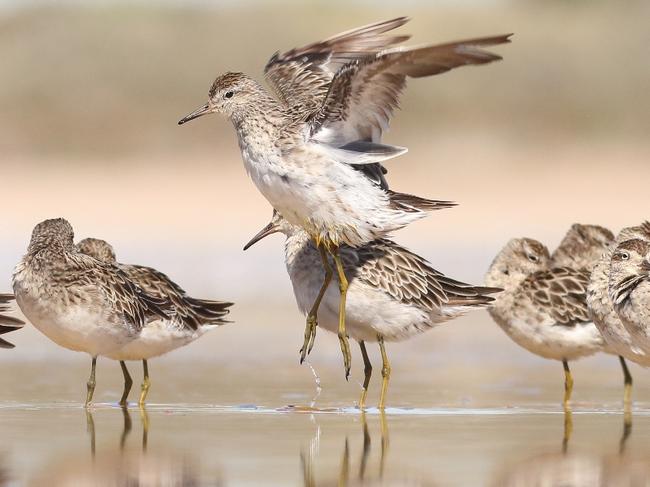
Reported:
(205, 109)
(265, 232)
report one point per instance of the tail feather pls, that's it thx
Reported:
(415, 204)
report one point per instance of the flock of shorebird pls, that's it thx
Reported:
(314, 151)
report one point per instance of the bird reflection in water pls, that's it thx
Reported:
(365, 475)
(122, 466)
(579, 469)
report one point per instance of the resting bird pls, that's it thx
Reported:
(543, 309)
(188, 317)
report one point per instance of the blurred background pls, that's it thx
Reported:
(90, 93)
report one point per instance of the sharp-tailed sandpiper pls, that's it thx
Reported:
(583, 247)
(7, 323)
(77, 301)
(394, 294)
(543, 309)
(304, 148)
(629, 288)
(602, 310)
(189, 318)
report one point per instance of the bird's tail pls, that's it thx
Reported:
(414, 204)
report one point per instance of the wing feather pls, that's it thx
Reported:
(364, 93)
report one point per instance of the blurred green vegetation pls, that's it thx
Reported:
(113, 80)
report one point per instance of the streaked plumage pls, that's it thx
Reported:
(543, 309)
(304, 150)
(331, 93)
(629, 288)
(186, 319)
(582, 246)
(393, 293)
(79, 302)
(7, 323)
(604, 315)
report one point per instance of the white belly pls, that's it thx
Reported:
(76, 328)
(325, 197)
(157, 338)
(368, 312)
(553, 341)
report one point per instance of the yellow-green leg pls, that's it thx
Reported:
(128, 382)
(343, 288)
(627, 395)
(145, 384)
(90, 386)
(312, 320)
(367, 369)
(385, 373)
(568, 384)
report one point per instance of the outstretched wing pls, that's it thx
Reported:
(301, 76)
(409, 278)
(560, 293)
(364, 93)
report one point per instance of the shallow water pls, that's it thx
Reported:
(61, 443)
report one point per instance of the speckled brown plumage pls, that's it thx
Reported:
(191, 312)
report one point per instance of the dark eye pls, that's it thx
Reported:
(228, 94)
(533, 258)
(625, 255)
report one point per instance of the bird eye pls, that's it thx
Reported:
(625, 255)
(533, 258)
(228, 94)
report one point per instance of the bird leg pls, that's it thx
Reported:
(145, 384)
(128, 382)
(312, 321)
(568, 384)
(90, 386)
(385, 373)
(367, 369)
(343, 288)
(627, 395)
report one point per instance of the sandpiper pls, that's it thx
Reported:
(629, 288)
(543, 309)
(7, 323)
(77, 301)
(583, 247)
(304, 148)
(394, 294)
(602, 310)
(189, 318)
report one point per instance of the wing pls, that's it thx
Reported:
(561, 293)
(10, 322)
(364, 93)
(190, 312)
(409, 278)
(128, 300)
(301, 76)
